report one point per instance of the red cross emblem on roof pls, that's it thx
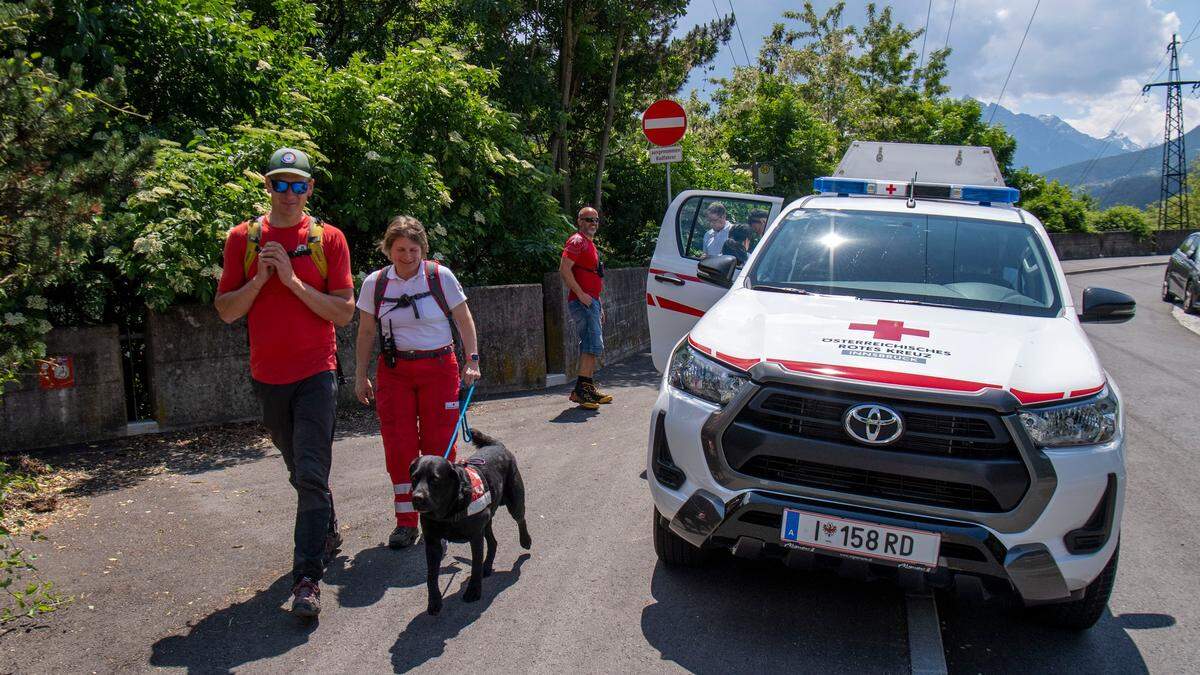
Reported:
(889, 330)
(891, 189)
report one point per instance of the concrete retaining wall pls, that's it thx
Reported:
(1086, 245)
(200, 372)
(199, 367)
(32, 417)
(626, 331)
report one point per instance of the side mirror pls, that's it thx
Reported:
(719, 270)
(1102, 305)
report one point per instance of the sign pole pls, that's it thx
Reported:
(668, 185)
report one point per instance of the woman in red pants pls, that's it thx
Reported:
(416, 310)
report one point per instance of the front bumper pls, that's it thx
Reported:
(971, 558)
(1032, 549)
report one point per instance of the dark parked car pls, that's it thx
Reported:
(1183, 274)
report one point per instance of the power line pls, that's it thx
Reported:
(996, 105)
(732, 58)
(925, 33)
(738, 25)
(1125, 117)
(950, 25)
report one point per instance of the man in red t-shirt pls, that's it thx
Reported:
(583, 273)
(291, 311)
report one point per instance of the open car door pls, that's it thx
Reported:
(675, 297)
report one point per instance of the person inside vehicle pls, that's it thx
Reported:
(757, 222)
(718, 232)
(738, 243)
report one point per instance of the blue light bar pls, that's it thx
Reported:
(1003, 195)
(840, 186)
(967, 193)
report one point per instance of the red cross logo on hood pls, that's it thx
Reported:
(889, 330)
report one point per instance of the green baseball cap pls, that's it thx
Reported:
(289, 160)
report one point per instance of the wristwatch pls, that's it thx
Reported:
(473, 357)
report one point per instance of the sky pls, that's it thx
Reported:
(1083, 60)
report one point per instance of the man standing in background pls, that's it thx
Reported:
(583, 273)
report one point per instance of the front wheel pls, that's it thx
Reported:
(1167, 295)
(673, 550)
(1189, 299)
(1083, 613)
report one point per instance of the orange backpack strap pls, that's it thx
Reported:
(316, 249)
(254, 231)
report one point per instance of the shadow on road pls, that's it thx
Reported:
(998, 637)
(364, 580)
(425, 637)
(573, 416)
(736, 616)
(241, 633)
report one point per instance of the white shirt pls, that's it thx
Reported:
(432, 330)
(714, 241)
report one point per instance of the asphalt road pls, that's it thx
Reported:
(188, 570)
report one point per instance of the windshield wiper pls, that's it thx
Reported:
(906, 301)
(781, 289)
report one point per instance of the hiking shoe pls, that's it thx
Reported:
(306, 598)
(584, 399)
(402, 537)
(597, 395)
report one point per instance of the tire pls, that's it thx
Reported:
(1189, 299)
(673, 550)
(1083, 613)
(1167, 295)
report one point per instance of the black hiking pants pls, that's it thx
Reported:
(300, 417)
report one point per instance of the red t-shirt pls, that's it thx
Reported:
(583, 252)
(288, 341)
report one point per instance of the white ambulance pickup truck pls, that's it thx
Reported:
(895, 384)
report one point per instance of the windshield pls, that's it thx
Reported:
(907, 257)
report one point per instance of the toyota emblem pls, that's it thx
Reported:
(873, 424)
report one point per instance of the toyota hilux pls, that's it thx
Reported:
(895, 383)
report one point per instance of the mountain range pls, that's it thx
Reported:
(1132, 178)
(1046, 142)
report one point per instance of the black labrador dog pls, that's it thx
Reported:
(457, 502)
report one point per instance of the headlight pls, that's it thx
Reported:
(703, 377)
(1089, 422)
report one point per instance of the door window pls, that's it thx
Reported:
(708, 225)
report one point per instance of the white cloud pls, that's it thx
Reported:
(1085, 60)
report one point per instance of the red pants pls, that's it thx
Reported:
(417, 403)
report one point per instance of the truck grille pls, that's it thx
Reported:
(928, 431)
(872, 483)
(954, 457)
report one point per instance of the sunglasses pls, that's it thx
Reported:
(281, 186)
(590, 220)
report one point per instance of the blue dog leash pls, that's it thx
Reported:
(462, 422)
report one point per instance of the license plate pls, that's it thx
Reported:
(894, 544)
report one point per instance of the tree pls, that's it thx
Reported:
(764, 117)
(68, 157)
(869, 83)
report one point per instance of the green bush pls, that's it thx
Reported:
(1121, 218)
(1057, 208)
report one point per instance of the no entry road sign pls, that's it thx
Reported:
(664, 122)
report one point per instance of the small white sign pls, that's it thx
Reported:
(671, 153)
(765, 175)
